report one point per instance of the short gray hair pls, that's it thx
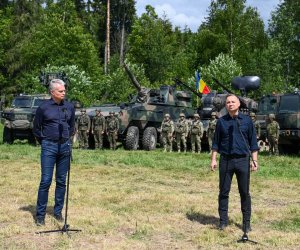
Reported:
(55, 82)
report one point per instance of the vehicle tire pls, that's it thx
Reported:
(7, 135)
(132, 138)
(149, 138)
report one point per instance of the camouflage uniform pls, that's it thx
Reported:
(98, 129)
(211, 129)
(196, 133)
(181, 132)
(83, 128)
(273, 135)
(256, 125)
(167, 129)
(112, 128)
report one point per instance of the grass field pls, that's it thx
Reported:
(147, 200)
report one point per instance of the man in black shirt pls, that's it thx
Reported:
(234, 140)
(53, 126)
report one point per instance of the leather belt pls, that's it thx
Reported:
(59, 141)
(234, 156)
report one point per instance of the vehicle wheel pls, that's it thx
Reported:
(149, 138)
(7, 136)
(132, 138)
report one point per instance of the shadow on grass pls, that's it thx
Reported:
(32, 210)
(208, 219)
(202, 218)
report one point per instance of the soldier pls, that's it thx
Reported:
(167, 129)
(273, 135)
(196, 133)
(256, 125)
(83, 128)
(112, 128)
(211, 129)
(98, 128)
(181, 132)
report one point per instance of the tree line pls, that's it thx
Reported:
(72, 36)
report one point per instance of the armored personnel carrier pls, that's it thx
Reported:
(18, 119)
(141, 118)
(267, 104)
(288, 117)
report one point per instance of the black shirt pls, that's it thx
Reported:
(228, 139)
(54, 121)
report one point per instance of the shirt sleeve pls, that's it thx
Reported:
(252, 137)
(37, 123)
(216, 140)
(72, 121)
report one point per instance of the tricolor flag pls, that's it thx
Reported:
(200, 84)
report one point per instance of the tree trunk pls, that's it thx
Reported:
(107, 45)
(122, 43)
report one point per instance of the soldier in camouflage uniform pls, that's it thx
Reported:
(273, 135)
(256, 125)
(167, 129)
(181, 132)
(98, 128)
(211, 129)
(196, 133)
(83, 127)
(112, 128)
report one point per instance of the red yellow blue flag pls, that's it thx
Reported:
(201, 86)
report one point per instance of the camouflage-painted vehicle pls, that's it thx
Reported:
(141, 118)
(18, 119)
(268, 104)
(288, 117)
(215, 102)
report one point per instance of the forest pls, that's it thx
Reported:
(90, 40)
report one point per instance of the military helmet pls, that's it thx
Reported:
(98, 110)
(271, 116)
(213, 114)
(181, 115)
(83, 110)
(167, 115)
(196, 115)
(252, 114)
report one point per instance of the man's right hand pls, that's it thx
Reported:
(213, 165)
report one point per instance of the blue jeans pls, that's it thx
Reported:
(53, 154)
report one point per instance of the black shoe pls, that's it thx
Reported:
(40, 221)
(222, 226)
(246, 227)
(58, 217)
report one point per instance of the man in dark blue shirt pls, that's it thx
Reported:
(234, 140)
(53, 126)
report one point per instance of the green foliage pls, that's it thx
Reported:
(237, 31)
(284, 29)
(116, 87)
(223, 68)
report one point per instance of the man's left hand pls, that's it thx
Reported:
(254, 166)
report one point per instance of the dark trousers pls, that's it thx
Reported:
(53, 154)
(241, 168)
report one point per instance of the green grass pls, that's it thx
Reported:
(146, 200)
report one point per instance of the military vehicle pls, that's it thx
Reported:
(288, 117)
(18, 119)
(215, 102)
(141, 118)
(267, 104)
